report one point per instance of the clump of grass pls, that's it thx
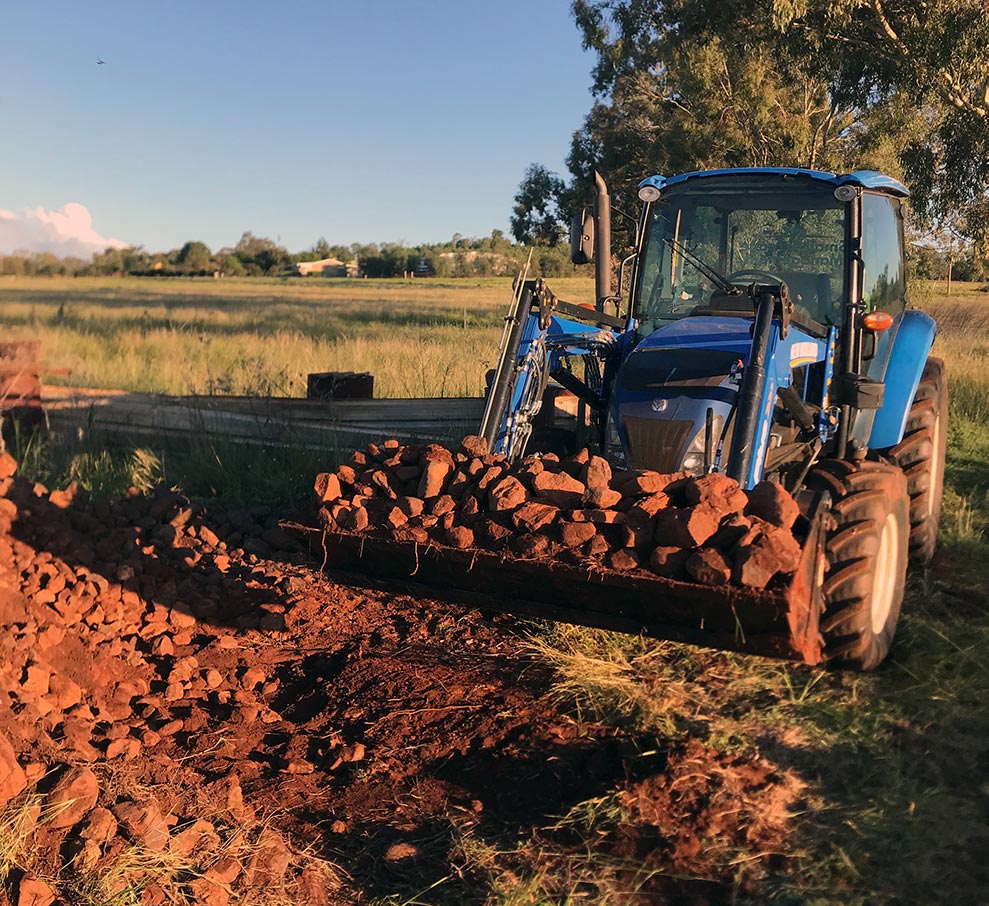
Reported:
(124, 880)
(100, 471)
(106, 473)
(961, 518)
(19, 819)
(280, 476)
(610, 676)
(255, 473)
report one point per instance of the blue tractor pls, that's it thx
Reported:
(764, 334)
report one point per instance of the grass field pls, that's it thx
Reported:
(895, 803)
(260, 336)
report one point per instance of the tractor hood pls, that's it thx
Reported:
(673, 396)
(730, 334)
(671, 386)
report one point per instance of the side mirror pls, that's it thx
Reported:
(868, 345)
(582, 237)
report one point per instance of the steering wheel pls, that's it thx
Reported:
(773, 278)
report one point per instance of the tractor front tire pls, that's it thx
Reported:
(866, 559)
(921, 457)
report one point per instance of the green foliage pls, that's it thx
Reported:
(195, 258)
(260, 256)
(538, 209)
(320, 250)
(233, 266)
(693, 85)
(490, 256)
(930, 57)
(681, 85)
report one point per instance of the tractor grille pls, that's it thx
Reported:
(656, 443)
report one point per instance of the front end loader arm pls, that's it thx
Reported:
(534, 343)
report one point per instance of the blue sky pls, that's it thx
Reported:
(354, 121)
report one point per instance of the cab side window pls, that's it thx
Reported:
(884, 288)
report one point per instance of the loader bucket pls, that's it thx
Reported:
(783, 622)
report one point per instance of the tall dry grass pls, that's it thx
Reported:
(419, 338)
(963, 342)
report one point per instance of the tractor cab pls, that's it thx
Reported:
(707, 240)
(821, 257)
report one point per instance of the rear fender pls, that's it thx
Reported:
(907, 359)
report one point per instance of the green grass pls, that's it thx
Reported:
(275, 476)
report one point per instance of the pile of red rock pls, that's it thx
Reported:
(701, 529)
(115, 659)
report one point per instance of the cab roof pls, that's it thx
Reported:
(866, 179)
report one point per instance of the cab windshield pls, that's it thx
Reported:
(748, 230)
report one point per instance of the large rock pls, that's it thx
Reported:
(574, 534)
(600, 497)
(639, 484)
(33, 891)
(143, 823)
(718, 491)
(623, 560)
(100, 826)
(771, 502)
(73, 796)
(459, 536)
(474, 445)
(8, 465)
(434, 477)
(12, 776)
(532, 516)
(559, 489)
(597, 473)
(765, 551)
(687, 526)
(269, 860)
(709, 566)
(669, 562)
(327, 487)
(507, 494)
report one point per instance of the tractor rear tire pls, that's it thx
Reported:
(866, 559)
(921, 457)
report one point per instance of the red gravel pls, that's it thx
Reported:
(176, 675)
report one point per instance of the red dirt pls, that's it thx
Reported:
(177, 673)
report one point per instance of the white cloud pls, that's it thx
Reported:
(65, 232)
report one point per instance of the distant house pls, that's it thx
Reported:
(325, 267)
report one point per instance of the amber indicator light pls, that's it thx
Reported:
(878, 320)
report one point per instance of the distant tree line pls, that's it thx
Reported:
(255, 256)
(493, 256)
